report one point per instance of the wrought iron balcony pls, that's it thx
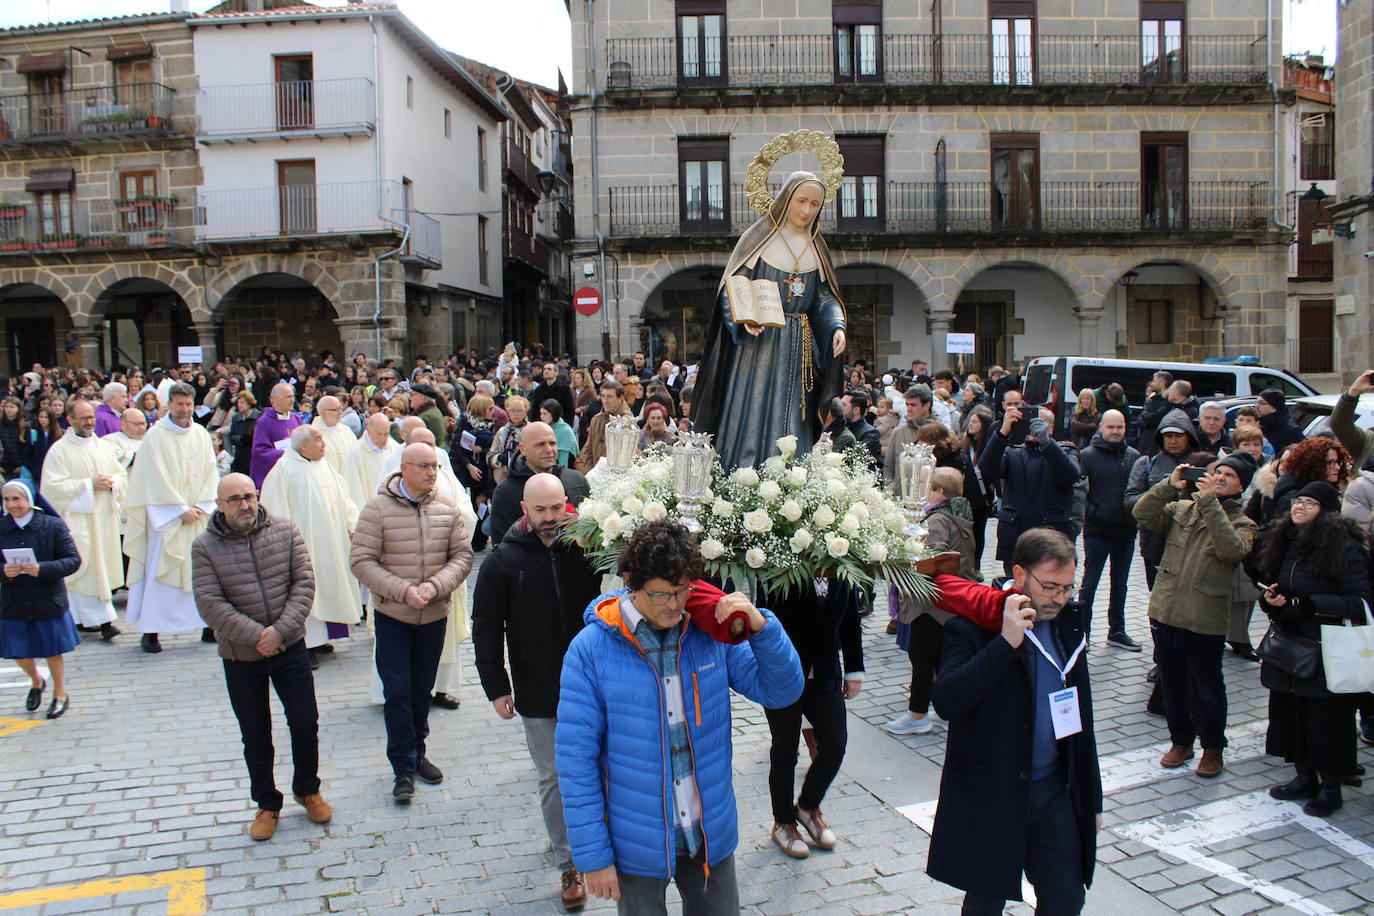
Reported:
(92, 224)
(524, 249)
(519, 167)
(297, 210)
(96, 113)
(286, 108)
(425, 245)
(761, 61)
(976, 207)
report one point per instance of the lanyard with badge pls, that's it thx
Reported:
(1064, 711)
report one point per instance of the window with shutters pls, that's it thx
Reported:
(1011, 24)
(1163, 41)
(701, 42)
(136, 205)
(47, 103)
(704, 183)
(858, 40)
(1015, 181)
(860, 206)
(1316, 160)
(133, 81)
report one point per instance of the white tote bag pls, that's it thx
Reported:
(1348, 656)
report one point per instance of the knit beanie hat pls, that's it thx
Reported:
(1274, 398)
(1242, 464)
(1323, 493)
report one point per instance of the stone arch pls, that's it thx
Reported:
(280, 310)
(36, 324)
(44, 278)
(1017, 303)
(98, 286)
(1210, 267)
(886, 308)
(676, 310)
(298, 264)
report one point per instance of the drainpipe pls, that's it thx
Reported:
(590, 57)
(382, 216)
(1276, 195)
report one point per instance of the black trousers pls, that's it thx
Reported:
(824, 709)
(289, 674)
(1054, 861)
(923, 647)
(1187, 662)
(407, 661)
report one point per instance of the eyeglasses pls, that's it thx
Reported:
(240, 500)
(661, 599)
(1306, 502)
(1334, 462)
(426, 466)
(1053, 591)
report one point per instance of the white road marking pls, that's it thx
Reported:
(1140, 766)
(1184, 834)
(13, 677)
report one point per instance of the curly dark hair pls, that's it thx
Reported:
(661, 550)
(1307, 459)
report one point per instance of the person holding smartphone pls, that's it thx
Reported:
(1036, 477)
(1206, 538)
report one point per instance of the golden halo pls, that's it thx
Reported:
(822, 146)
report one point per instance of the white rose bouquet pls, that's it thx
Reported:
(776, 526)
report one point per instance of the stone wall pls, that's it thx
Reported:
(1353, 269)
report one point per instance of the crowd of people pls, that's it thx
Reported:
(274, 506)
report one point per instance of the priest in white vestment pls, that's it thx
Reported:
(450, 674)
(125, 441)
(85, 483)
(338, 438)
(303, 487)
(170, 498)
(363, 464)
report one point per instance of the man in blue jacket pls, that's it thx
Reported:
(643, 739)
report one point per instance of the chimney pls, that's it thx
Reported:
(179, 6)
(252, 6)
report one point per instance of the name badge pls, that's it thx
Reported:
(1064, 713)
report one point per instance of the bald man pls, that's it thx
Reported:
(338, 438)
(364, 462)
(133, 427)
(260, 623)
(450, 673)
(1109, 529)
(530, 597)
(411, 550)
(272, 435)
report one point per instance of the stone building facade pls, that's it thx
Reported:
(1353, 215)
(1056, 176)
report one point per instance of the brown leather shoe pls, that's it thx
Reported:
(316, 808)
(264, 824)
(1176, 756)
(1210, 764)
(574, 895)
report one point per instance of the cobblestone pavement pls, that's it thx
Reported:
(142, 785)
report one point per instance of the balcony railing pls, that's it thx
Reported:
(324, 107)
(134, 223)
(918, 60)
(520, 246)
(1317, 161)
(425, 246)
(94, 113)
(521, 168)
(295, 210)
(928, 207)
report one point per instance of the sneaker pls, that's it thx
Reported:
(429, 772)
(1122, 641)
(790, 841)
(264, 824)
(820, 831)
(316, 808)
(908, 724)
(404, 788)
(574, 894)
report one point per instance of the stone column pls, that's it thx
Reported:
(205, 337)
(92, 341)
(1088, 321)
(940, 325)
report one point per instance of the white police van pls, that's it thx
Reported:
(1055, 381)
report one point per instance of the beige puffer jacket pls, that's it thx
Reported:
(245, 582)
(398, 543)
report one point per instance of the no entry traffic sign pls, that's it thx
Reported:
(587, 300)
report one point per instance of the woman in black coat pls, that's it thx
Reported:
(241, 426)
(1314, 565)
(35, 621)
(980, 492)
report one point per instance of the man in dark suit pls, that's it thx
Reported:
(1021, 789)
(865, 433)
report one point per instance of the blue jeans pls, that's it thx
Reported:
(407, 661)
(1096, 553)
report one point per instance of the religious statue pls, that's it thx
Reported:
(768, 373)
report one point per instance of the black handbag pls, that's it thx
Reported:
(1290, 653)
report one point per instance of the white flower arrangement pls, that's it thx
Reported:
(775, 526)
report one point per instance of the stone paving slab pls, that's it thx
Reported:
(144, 775)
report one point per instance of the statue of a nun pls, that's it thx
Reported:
(758, 384)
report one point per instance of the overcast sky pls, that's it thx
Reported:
(532, 38)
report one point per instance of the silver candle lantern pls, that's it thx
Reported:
(622, 439)
(914, 468)
(693, 458)
(823, 445)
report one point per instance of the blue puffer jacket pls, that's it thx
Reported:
(612, 739)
